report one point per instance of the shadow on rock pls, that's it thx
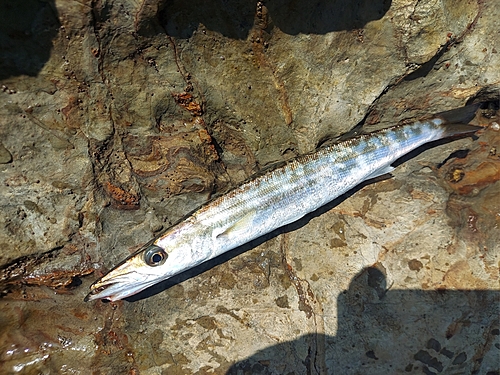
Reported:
(321, 17)
(235, 19)
(383, 331)
(27, 29)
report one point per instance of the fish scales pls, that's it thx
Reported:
(330, 163)
(269, 201)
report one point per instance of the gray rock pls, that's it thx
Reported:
(5, 155)
(131, 114)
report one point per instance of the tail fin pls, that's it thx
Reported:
(456, 120)
(459, 115)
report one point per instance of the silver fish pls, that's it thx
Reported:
(274, 199)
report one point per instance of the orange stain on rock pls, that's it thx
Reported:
(484, 174)
(186, 101)
(121, 198)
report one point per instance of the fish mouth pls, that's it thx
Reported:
(114, 290)
(124, 280)
(119, 283)
(111, 291)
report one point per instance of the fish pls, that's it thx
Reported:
(273, 199)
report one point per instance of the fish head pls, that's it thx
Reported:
(136, 273)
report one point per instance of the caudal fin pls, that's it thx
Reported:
(456, 120)
(459, 115)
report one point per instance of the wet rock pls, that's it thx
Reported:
(121, 117)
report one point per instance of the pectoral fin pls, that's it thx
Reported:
(242, 224)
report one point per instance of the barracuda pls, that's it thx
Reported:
(274, 199)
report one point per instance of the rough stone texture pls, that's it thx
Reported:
(117, 118)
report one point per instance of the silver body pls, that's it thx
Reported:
(276, 198)
(287, 193)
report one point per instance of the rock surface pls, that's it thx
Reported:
(118, 118)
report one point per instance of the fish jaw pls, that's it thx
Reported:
(134, 274)
(125, 280)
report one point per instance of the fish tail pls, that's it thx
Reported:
(455, 121)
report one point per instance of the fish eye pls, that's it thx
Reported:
(155, 256)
